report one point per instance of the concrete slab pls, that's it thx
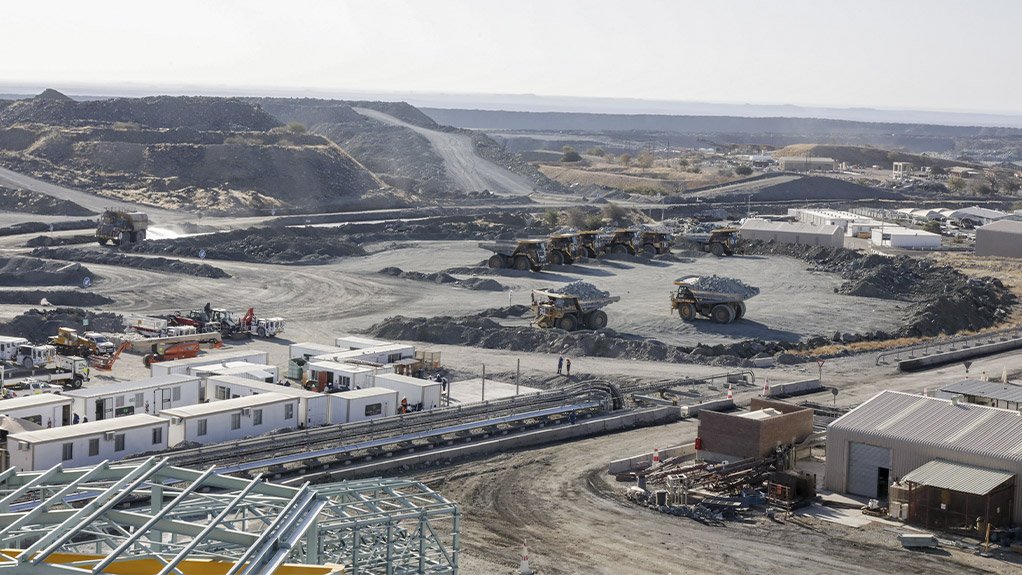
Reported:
(471, 390)
(848, 517)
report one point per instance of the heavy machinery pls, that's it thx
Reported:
(719, 242)
(120, 227)
(67, 371)
(210, 319)
(521, 255)
(262, 326)
(652, 243)
(621, 241)
(70, 342)
(569, 312)
(106, 362)
(594, 242)
(170, 352)
(565, 249)
(720, 306)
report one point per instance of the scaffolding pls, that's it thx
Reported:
(150, 517)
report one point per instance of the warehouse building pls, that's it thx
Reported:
(806, 164)
(231, 419)
(792, 233)
(852, 224)
(989, 393)
(896, 437)
(87, 443)
(1002, 238)
(976, 216)
(754, 433)
(904, 238)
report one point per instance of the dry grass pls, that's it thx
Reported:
(663, 177)
(861, 155)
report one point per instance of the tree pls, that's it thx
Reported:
(570, 155)
(937, 171)
(597, 151)
(644, 159)
(682, 163)
(615, 214)
(955, 184)
(296, 128)
(743, 170)
(551, 217)
(580, 219)
(932, 226)
(625, 159)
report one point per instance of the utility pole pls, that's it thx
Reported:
(484, 382)
(518, 374)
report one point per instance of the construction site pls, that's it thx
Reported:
(258, 335)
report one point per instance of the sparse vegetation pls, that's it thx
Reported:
(615, 214)
(743, 170)
(127, 126)
(932, 226)
(598, 152)
(625, 159)
(551, 217)
(644, 159)
(570, 155)
(956, 184)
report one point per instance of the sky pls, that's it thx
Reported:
(906, 54)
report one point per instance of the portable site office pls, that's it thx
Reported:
(381, 355)
(334, 375)
(45, 409)
(267, 373)
(132, 397)
(230, 419)
(356, 342)
(313, 408)
(87, 443)
(362, 404)
(181, 366)
(420, 393)
(308, 350)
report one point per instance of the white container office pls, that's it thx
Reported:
(45, 409)
(230, 419)
(307, 350)
(333, 375)
(356, 342)
(313, 408)
(267, 373)
(87, 443)
(380, 355)
(181, 366)
(362, 404)
(420, 393)
(133, 397)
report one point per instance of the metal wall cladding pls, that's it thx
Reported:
(863, 462)
(1000, 239)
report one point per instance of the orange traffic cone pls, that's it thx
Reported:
(656, 457)
(523, 567)
(730, 393)
(766, 389)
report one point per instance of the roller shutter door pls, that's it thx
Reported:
(864, 461)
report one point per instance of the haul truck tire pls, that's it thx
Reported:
(522, 263)
(717, 250)
(556, 258)
(648, 251)
(618, 249)
(596, 319)
(687, 312)
(739, 310)
(567, 323)
(497, 261)
(722, 313)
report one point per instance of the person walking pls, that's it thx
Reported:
(560, 364)
(567, 367)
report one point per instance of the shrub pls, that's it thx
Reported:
(570, 155)
(743, 170)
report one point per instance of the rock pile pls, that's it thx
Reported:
(582, 290)
(54, 297)
(25, 271)
(37, 227)
(474, 283)
(30, 202)
(118, 259)
(263, 245)
(721, 284)
(38, 325)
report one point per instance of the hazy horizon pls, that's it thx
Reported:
(935, 56)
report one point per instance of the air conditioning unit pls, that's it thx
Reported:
(108, 435)
(246, 412)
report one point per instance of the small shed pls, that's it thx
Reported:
(989, 393)
(948, 496)
(87, 443)
(140, 396)
(753, 433)
(1001, 238)
(362, 404)
(43, 409)
(313, 407)
(420, 393)
(904, 238)
(230, 419)
(181, 366)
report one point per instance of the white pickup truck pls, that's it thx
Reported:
(30, 387)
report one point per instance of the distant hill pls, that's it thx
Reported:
(200, 112)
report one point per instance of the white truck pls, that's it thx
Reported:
(67, 372)
(158, 327)
(31, 356)
(9, 347)
(29, 386)
(262, 326)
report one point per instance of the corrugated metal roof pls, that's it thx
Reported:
(958, 477)
(939, 423)
(755, 224)
(979, 212)
(1011, 226)
(988, 389)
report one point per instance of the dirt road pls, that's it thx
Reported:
(465, 168)
(576, 521)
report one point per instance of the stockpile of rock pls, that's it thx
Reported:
(262, 245)
(118, 259)
(25, 271)
(38, 325)
(30, 202)
(582, 290)
(474, 283)
(721, 284)
(53, 297)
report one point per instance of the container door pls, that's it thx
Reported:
(161, 399)
(866, 463)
